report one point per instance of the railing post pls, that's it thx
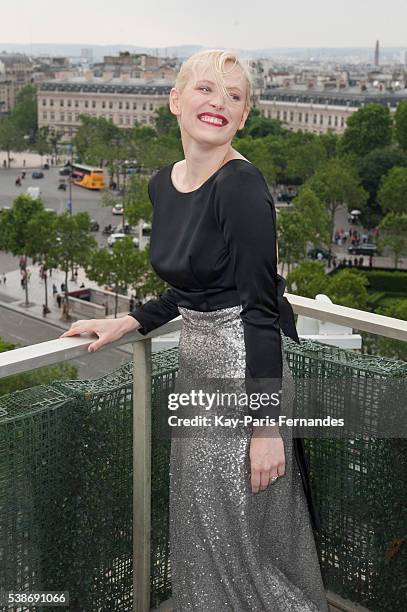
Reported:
(141, 474)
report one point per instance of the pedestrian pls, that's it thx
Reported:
(82, 285)
(75, 276)
(59, 300)
(62, 287)
(370, 261)
(131, 303)
(4, 278)
(361, 261)
(44, 310)
(54, 289)
(334, 262)
(355, 261)
(24, 164)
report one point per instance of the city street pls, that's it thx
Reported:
(83, 200)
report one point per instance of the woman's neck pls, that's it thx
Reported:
(200, 163)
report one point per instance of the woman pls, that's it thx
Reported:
(240, 532)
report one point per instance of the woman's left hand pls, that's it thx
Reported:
(267, 460)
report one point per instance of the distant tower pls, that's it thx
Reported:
(376, 54)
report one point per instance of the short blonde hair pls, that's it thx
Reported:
(215, 59)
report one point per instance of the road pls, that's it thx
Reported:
(83, 200)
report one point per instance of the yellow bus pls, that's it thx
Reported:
(89, 177)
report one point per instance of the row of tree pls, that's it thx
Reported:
(65, 241)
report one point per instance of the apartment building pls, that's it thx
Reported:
(15, 73)
(321, 111)
(126, 103)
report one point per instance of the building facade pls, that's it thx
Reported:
(15, 73)
(320, 111)
(125, 103)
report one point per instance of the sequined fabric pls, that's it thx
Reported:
(232, 550)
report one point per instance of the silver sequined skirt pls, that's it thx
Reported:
(233, 550)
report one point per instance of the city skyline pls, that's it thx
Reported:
(259, 25)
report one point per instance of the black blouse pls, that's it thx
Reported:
(216, 247)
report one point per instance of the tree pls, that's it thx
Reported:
(43, 242)
(371, 168)
(42, 145)
(336, 183)
(366, 129)
(304, 159)
(11, 139)
(393, 191)
(315, 214)
(400, 120)
(15, 232)
(308, 279)
(75, 244)
(329, 141)
(24, 114)
(54, 138)
(292, 237)
(348, 288)
(137, 202)
(259, 126)
(117, 268)
(165, 122)
(393, 234)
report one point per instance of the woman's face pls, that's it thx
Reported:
(204, 114)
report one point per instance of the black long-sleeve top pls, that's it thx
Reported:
(217, 247)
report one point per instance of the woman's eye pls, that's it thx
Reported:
(203, 87)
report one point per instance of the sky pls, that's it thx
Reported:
(236, 24)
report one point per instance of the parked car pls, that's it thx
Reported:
(117, 209)
(363, 249)
(313, 253)
(113, 238)
(65, 171)
(94, 225)
(37, 175)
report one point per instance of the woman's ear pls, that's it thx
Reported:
(175, 102)
(244, 117)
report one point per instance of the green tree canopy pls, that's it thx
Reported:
(393, 234)
(366, 129)
(336, 183)
(392, 193)
(15, 231)
(24, 113)
(400, 119)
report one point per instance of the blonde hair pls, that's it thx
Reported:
(215, 59)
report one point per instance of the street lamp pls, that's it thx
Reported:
(69, 204)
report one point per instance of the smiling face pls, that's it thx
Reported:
(204, 113)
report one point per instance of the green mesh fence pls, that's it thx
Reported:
(66, 489)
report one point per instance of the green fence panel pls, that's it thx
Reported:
(66, 487)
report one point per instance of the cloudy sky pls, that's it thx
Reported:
(247, 24)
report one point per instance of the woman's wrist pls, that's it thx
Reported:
(129, 323)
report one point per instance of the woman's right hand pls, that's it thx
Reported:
(107, 330)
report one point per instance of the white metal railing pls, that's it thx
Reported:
(62, 349)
